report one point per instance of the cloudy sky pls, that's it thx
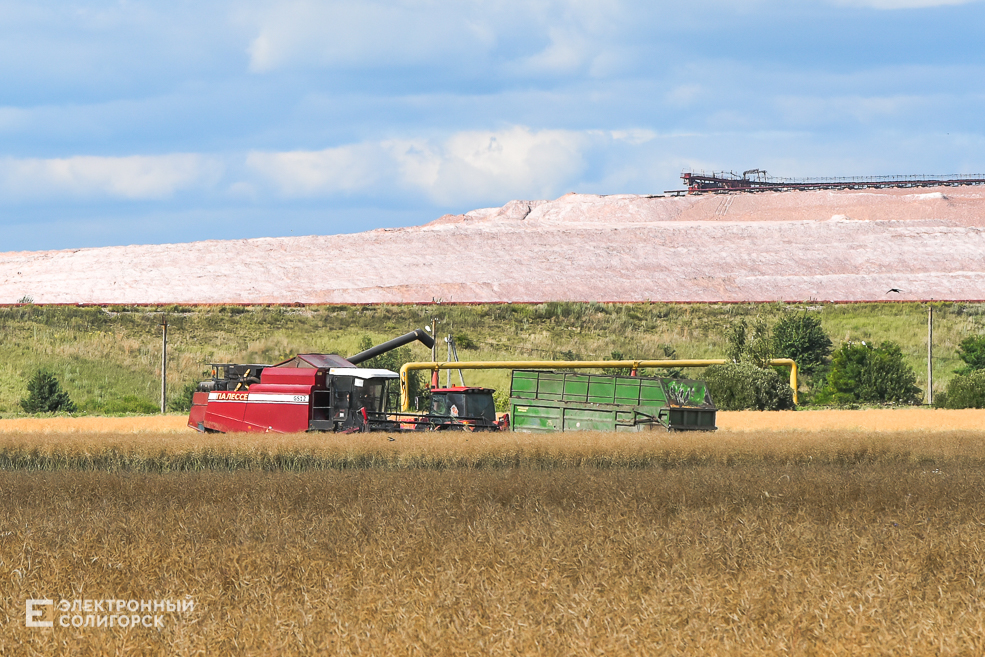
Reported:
(136, 121)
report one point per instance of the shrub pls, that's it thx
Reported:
(183, 400)
(463, 341)
(972, 352)
(502, 400)
(130, 404)
(45, 395)
(801, 338)
(867, 374)
(743, 386)
(668, 353)
(613, 371)
(963, 392)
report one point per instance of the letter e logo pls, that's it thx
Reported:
(33, 613)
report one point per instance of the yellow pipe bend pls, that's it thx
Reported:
(568, 365)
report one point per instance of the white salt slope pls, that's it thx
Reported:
(848, 246)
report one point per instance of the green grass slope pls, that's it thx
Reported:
(108, 359)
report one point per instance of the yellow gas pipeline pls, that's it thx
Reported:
(568, 365)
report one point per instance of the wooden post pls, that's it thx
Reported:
(164, 364)
(930, 356)
(434, 336)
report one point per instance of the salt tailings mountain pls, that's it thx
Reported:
(796, 246)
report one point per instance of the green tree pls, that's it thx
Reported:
(45, 395)
(868, 374)
(760, 348)
(972, 352)
(801, 338)
(735, 340)
(754, 345)
(743, 386)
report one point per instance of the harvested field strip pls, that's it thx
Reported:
(169, 452)
(876, 419)
(890, 419)
(93, 424)
(880, 556)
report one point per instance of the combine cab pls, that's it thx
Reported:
(310, 392)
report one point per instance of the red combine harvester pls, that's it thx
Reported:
(326, 392)
(310, 392)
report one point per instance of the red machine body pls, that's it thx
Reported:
(280, 403)
(292, 398)
(310, 392)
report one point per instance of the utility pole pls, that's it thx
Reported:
(164, 364)
(930, 355)
(434, 352)
(434, 336)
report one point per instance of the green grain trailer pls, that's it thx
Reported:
(544, 401)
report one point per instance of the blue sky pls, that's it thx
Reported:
(147, 122)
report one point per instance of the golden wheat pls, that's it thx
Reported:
(823, 542)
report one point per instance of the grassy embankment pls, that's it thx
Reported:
(808, 543)
(109, 358)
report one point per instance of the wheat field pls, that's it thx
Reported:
(740, 542)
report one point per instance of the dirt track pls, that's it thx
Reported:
(905, 419)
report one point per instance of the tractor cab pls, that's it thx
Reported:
(462, 407)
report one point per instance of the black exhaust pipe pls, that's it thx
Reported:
(416, 334)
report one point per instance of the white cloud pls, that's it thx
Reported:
(470, 166)
(131, 177)
(548, 37)
(634, 137)
(348, 33)
(345, 169)
(568, 52)
(512, 163)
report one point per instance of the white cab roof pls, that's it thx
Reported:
(363, 373)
